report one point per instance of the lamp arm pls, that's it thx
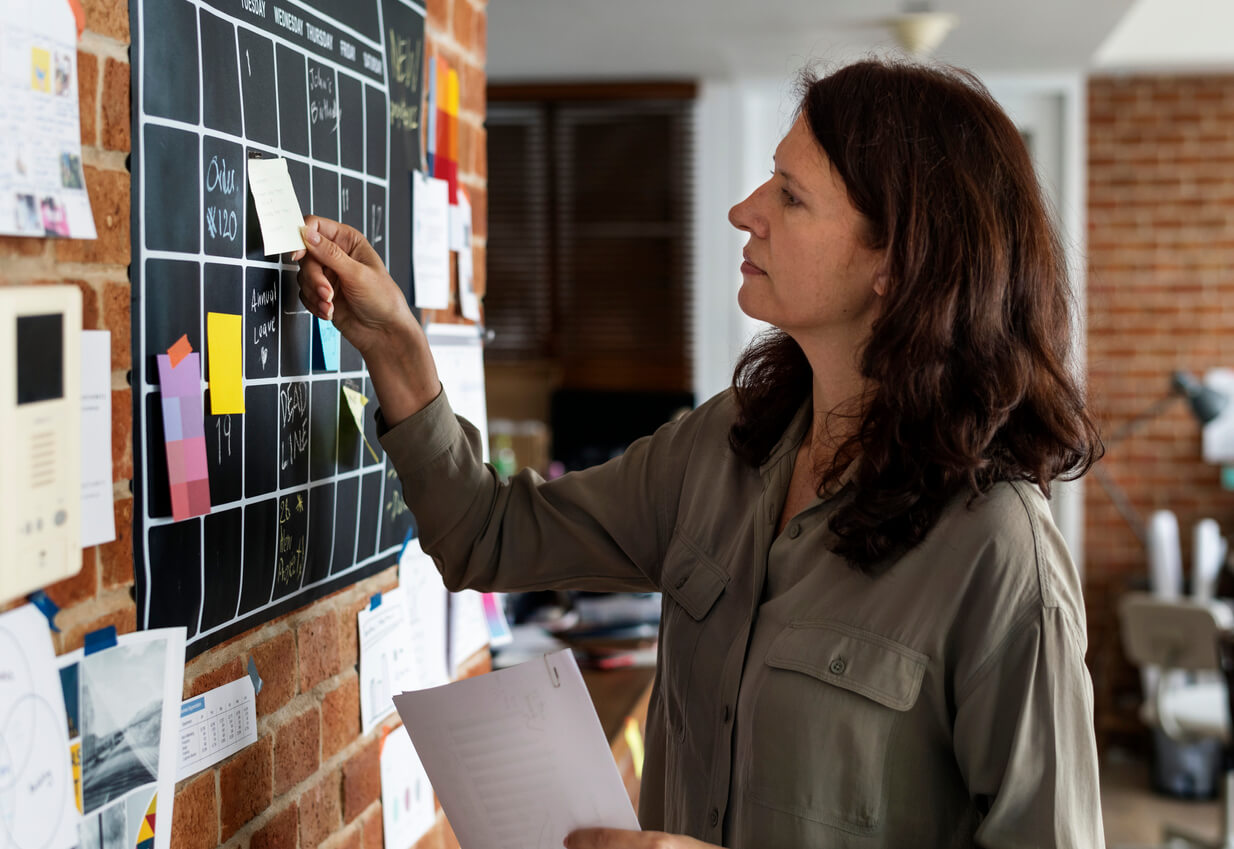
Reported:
(1121, 503)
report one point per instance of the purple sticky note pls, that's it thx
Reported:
(184, 379)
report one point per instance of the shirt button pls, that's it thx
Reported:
(838, 666)
(713, 818)
(794, 530)
(681, 582)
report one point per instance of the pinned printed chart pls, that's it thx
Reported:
(278, 210)
(325, 345)
(430, 241)
(224, 346)
(185, 437)
(355, 404)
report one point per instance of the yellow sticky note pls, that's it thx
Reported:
(355, 403)
(224, 347)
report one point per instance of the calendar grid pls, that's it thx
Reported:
(291, 478)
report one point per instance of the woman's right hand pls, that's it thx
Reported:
(342, 279)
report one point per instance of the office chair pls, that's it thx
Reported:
(1180, 639)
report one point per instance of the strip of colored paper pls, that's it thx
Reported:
(184, 436)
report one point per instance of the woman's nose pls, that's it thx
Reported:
(746, 216)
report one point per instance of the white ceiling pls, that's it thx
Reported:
(631, 39)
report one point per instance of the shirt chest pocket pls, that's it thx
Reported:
(824, 723)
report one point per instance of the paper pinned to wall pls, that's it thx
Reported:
(278, 209)
(123, 707)
(184, 436)
(216, 725)
(538, 720)
(468, 302)
(458, 351)
(326, 345)
(407, 810)
(355, 405)
(387, 660)
(42, 182)
(430, 259)
(468, 627)
(98, 517)
(36, 775)
(426, 598)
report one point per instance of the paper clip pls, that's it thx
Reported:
(553, 675)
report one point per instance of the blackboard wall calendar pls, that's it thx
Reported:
(300, 507)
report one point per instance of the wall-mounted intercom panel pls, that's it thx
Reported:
(40, 436)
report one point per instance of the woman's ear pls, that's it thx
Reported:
(881, 281)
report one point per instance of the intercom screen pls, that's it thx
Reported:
(40, 357)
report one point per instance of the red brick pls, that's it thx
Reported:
(297, 745)
(88, 97)
(463, 24)
(349, 635)
(352, 838)
(319, 650)
(121, 434)
(107, 17)
(479, 210)
(245, 786)
(276, 664)
(362, 780)
(374, 834)
(22, 246)
(280, 832)
(109, 200)
(340, 716)
(471, 82)
(117, 317)
(480, 47)
(117, 556)
(437, 16)
(124, 620)
(89, 301)
(116, 116)
(195, 815)
(479, 277)
(319, 811)
(83, 585)
(224, 672)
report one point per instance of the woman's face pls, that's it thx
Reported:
(807, 270)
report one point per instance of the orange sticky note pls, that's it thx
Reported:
(179, 350)
(224, 341)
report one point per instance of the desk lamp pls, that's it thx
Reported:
(1205, 404)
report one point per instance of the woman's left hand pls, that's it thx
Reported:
(614, 838)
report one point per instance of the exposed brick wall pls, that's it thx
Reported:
(311, 779)
(1160, 297)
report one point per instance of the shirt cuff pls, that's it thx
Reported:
(420, 438)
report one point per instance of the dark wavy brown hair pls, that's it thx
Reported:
(969, 359)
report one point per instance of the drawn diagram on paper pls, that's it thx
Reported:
(36, 780)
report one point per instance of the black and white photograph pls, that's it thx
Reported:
(104, 830)
(121, 720)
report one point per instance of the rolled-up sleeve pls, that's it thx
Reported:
(603, 528)
(1024, 739)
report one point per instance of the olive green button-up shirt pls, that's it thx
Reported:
(798, 702)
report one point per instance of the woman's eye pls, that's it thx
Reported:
(788, 197)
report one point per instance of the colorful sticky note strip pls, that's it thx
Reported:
(326, 345)
(178, 351)
(186, 456)
(355, 403)
(224, 341)
(445, 156)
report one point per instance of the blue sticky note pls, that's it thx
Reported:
(326, 346)
(374, 602)
(42, 601)
(103, 638)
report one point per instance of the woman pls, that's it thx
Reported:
(872, 634)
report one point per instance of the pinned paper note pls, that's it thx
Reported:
(407, 810)
(278, 210)
(185, 436)
(224, 344)
(326, 345)
(430, 245)
(179, 350)
(468, 302)
(98, 518)
(355, 404)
